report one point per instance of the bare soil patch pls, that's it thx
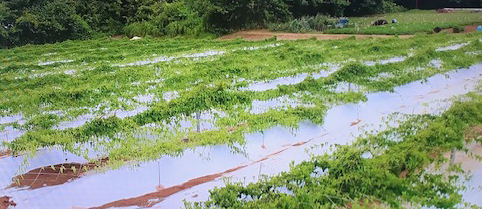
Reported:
(467, 29)
(264, 34)
(5, 153)
(5, 202)
(54, 175)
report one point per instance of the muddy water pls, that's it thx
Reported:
(266, 153)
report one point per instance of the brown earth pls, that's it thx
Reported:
(149, 200)
(264, 34)
(5, 153)
(54, 175)
(5, 202)
(473, 132)
(467, 29)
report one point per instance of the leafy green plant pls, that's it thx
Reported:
(392, 176)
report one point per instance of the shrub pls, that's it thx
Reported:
(304, 24)
(458, 29)
(143, 28)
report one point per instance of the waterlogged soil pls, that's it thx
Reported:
(5, 202)
(148, 199)
(265, 34)
(157, 183)
(342, 126)
(266, 153)
(54, 175)
(4, 153)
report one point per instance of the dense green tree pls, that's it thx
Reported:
(42, 21)
(56, 20)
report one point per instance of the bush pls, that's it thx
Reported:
(55, 21)
(367, 7)
(143, 28)
(304, 24)
(172, 19)
(458, 29)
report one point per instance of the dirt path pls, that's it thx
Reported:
(264, 34)
(467, 29)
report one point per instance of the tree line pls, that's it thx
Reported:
(47, 21)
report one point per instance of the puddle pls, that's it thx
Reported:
(49, 54)
(40, 63)
(259, 107)
(452, 47)
(167, 59)
(170, 95)
(387, 61)
(81, 120)
(10, 133)
(342, 87)
(266, 153)
(205, 54)
(201, 122)
(148, 98)
(273, 84)
(259, 47)
(11, 119)
(70, 72)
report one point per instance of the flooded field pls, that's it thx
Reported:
(157, 125)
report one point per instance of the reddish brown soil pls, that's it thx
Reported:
(148, 200)
(145, 200)
(5, 153)
(48, 176)
(5, 202)
(467, 29)
(354, 123)
(473, 132)
(264, 34)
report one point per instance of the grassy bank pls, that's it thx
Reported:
(410, 22)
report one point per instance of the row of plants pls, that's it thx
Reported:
(384, 169)
(206, 84)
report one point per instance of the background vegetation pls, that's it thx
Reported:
(410, 22)
(47, 21)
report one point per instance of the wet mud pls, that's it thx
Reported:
(5, 153)
(54, 175)
(5, 202)
(271, 150)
